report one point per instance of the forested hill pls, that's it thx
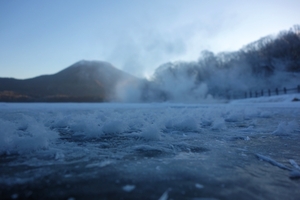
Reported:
(281, 52)
(270, 62)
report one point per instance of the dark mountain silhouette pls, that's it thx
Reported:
(84, 81)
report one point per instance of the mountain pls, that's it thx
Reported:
(84, 81)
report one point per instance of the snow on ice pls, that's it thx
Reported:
(29, 128)
(101, 136)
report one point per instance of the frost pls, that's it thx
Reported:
(286, 128)
(251, 113)
(187, 124)
(183, 123)
(265, 114)
(235, 116)
(99, 164)
(128, 188)
(219, 125)
(199, 186)
(86, 125)
(30, 136)
(165, 195)
(148, 151)
(59, 156)
(113, 127)
(100, 135)
(151, 132)
(294, 164)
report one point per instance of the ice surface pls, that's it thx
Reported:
(148, 139)
(26, 128)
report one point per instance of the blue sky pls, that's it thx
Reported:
(44, 37)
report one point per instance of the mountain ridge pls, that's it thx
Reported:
(83, 81)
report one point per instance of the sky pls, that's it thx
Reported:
(44, 37)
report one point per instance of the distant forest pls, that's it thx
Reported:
(271, 61)
(281, 52)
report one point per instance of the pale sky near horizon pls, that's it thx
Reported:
(44, 37)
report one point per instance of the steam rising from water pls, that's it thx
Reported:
(192, 83)
(259, 67)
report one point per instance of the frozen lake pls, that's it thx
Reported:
(150, 151)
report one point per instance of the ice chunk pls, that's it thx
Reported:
(86, 125)
(206, 122)
(149, 151)
(235, 116)
(294, 164)
(219, 124)
(188, 124)
(183, 123)
(295, 174)
(151, 132)
(265, 114)
(135, 123)
(59, 156)
(165, 195)
(251, 113)
(99, 164)
(128, 188)
(286, 128)
(35, 136)
(113, 127)
(61, 120)
(199, 186)
(271, 161)
(249, 129)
